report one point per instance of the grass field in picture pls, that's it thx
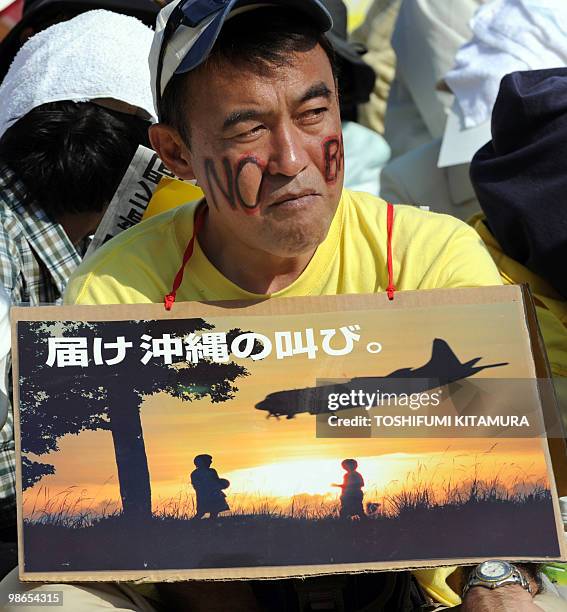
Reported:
(408, 524)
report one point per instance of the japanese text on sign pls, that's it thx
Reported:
(208, 346)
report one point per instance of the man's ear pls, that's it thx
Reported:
(172, 150)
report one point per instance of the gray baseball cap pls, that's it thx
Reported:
(186, 31)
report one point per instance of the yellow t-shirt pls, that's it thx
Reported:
(429, 251)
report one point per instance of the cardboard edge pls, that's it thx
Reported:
(262, 573)
(320, 304)
(554, 448)
(17, 439)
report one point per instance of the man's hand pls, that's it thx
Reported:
(510, 598)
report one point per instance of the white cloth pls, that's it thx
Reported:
(99, 55)
(414, 178)
(426, 38)
(508, 35)
(366, 152)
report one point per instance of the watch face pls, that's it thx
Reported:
(494, 570)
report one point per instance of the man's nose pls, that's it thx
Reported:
(289, 155)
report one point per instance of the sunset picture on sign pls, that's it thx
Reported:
(358, 432)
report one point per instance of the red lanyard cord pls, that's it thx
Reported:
(391, 287)
(197, 224)
(169, 299)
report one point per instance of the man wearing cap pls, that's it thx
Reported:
(248, 106)
(257, 124)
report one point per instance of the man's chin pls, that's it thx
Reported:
(297, 239)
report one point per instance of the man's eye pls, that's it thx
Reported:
(314, 114)
(255, 131)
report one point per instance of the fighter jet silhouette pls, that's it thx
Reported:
(443, 368)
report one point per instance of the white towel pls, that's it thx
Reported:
(96, 55)
(508, 35)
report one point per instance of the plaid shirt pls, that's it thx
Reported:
(36, 260)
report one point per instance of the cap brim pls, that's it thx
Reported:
(314, 9)
(459, 143)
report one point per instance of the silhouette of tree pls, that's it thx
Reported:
(55, 402)
(33, 471)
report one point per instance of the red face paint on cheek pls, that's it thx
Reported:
(248, 175)
(333, 157)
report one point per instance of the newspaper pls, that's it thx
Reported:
(132, 197)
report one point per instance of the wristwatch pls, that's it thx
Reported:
(493, 574)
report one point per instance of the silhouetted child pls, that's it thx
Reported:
(351, 495)
(208, 488)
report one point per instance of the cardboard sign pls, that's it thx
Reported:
(288, 437)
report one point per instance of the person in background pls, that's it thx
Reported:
(426, 38)
(67, 135)
(375, 33)
(40, 14)
(520, 181)
(8, 547)
(366, 152)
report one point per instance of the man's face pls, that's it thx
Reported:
(267, 151)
